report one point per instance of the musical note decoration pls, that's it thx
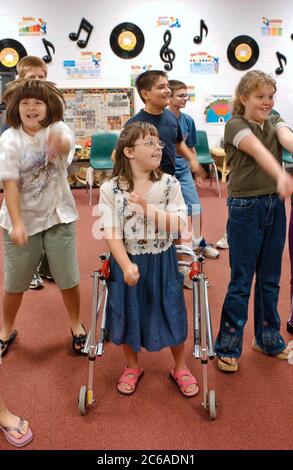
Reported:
(87, 27)
(281, 58)
(292, 37)
(48, 58)
(167, 55)
(203, 28)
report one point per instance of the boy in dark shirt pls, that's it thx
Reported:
(153, 89)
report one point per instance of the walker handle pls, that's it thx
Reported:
(104, 271)
(194, 270)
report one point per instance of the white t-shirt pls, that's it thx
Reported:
(138, 232)
(45, 195)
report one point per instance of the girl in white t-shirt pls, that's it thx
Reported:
(141, 209)
(38, 213)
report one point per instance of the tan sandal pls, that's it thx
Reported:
(281, 355)
(226, 366)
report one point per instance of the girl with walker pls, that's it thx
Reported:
(257, 222)
(141, 210)
(38, 213)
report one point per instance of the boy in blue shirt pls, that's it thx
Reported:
(153, 89)
(182, 170)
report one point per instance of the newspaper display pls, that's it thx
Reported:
(100, 109)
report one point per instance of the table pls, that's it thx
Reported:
(220, 157)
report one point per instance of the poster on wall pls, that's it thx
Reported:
(136, 70)
(30, 26)
(203, 63)
(168, 21)
(101, 109)
(88, 65)
(218, 109)
(191, 93)
(271, 27)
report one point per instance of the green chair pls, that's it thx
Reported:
(102, 146)
(204, 157)
(286, 157)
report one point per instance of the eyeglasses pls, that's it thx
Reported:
(152, 143)
(182, 96)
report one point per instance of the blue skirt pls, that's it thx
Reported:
(151, 314)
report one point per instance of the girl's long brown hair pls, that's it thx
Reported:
(249, 83)
(122, 169)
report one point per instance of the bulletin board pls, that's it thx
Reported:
(97, 109)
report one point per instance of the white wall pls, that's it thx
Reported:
(226, 19)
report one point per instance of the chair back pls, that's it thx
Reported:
(202, 148)
(286, 156)
(101, 149)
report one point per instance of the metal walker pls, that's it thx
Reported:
(202, 327)
(91, 347)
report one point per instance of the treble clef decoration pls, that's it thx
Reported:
(167, 55)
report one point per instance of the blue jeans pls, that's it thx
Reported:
(256, 234)
(188, 188)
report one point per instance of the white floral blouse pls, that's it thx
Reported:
(137, 231)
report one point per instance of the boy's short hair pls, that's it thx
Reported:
(36, 89)
(147, 79)
(28, 62)
(175, 85)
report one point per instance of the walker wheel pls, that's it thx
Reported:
(212, 404)
(82, 400)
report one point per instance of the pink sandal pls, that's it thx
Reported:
(131, 381)
(177, 376)
(15, 441)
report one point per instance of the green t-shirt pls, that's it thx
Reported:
(246, 177)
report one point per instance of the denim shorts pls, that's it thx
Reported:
(21, 262)
(188, 188)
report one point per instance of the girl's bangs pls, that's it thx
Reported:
(34, 91)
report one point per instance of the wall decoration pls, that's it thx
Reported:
(281, 58)
(203, 63)
(87, 27)
(30, 26)
(136, 70)
(218, 109)
(203, 28)
(99, 109)
(167, 55)
(48, 45)
(191, 93)
(169, 21)
(88, 65)
(127, 40)
(271, 27)
(11, 51)
(243, 52)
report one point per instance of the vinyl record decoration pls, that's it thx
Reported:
(243, 52)
(127, 40)
(11, 51)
